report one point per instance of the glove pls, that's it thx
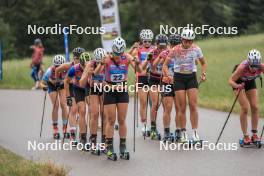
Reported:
(150, 56)
(240, 86)
(45, 88)
(69, 101)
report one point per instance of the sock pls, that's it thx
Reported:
(55, 125)
(167, 130)
(103, 139)
(93, 140)
(83, 136)
(109, 143)
(254, 131)
(122, 141)
(183, 129)
(72, 129)
(153, 126)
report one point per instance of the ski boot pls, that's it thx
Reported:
(145, 131)
(56, 134)
(111, 155)
(124, 154)
(184, 137)
(73, 140)
(94, 147)
(195, 139)
(256, 140)
(86, 147)
(177, 135)
(168, 137)
(103, 142)
(155, 135)
(245, 141)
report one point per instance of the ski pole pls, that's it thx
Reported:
(102, 117)
(66, 125)
(43, 111)
(262, 133)
(135, 96)
(228, 117)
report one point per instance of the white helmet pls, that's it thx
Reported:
(99, 54)
(146, 34)
(254, 57)
(188, 34)
(119, 45)
(142, 34)
(58, 60)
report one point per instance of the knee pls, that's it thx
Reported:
(82, 111)
(110, 122)
(193, 106)
(254, 108)
(244, 110)
(121, 122)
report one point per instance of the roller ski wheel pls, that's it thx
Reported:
(116, 127)
(154, 135)
(125, 155)
(96, 152)
(111, 155)
(56, 136)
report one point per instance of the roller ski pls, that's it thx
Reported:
(168, 137)
(195, 140)
(111, 155)
(95, 150)
(124, 154)
(155, 135)
(248, 142)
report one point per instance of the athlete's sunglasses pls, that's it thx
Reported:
(146, 41)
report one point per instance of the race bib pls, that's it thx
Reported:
(186, 68)
(117, 77)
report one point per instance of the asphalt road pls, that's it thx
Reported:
(20, 115)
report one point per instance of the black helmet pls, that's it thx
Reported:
(161, 39)
(174, 39)
(78, 51)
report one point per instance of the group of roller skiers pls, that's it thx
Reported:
(168, 61)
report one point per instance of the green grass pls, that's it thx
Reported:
(14, 165)
(221, 54)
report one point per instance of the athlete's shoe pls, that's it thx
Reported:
(246, 140)
(184, 137)
(145, 131)
(177, 135)
(195, 136)
(255, 138)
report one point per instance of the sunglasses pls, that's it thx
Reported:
(254, 66)
(187, 41)
(146, 41)
(117, 54)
